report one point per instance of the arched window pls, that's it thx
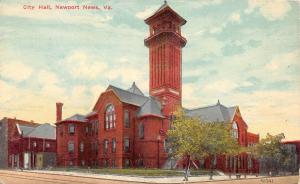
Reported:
(235, 130)
(110, 117)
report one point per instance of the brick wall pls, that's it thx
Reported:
(3, 143)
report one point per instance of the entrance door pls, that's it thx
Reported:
(26, 160)
(39, 161)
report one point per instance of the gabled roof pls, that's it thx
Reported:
(76, 117)
(165, 7)
(44, 131)
(128, 97)
(214, 113)
(24, 129)
(151, 108)
(134, 89)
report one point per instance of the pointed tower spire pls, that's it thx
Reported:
(218, 103)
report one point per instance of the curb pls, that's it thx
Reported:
(110, 179)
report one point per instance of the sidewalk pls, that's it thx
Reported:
(141, 179)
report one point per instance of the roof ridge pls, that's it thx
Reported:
(196, 108)
(127, 91)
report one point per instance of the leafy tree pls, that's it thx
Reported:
(270, 151)
(219, 141)
(186, 140)
(192, 138)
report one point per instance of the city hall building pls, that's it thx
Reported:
(128, 129)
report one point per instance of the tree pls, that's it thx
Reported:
(219, 141)
(186, 139)
(192, 138)
(270, 151)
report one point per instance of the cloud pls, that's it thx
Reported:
(220, 86)
(82, 64)
(271, 10)
(235, 17)
(46, 77)
(197, 4)
(15, 71)
(282, 61)
(129, 74)
(146, 12)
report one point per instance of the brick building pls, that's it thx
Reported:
(128, 129)
(26, 144)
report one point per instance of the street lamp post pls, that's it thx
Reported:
(158, 140)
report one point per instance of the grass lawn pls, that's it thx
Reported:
(136, 172)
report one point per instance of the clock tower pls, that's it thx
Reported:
(165, 43)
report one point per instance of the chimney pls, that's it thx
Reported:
(59, 111)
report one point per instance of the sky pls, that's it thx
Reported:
(242, 52)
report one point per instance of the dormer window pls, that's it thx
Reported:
(235, 130)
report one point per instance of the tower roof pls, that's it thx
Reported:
(162, 9)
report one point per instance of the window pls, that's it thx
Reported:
(81, 147)
(47, 145)
(126, 144)
(126, 119)
(235, 132)
(110, 117)
(113, 145)
(71, 128)
(71, 147)
(82, 163)
(87, 129)
(141, 131)
(70, 163)
(105, 146)
(34, 144)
